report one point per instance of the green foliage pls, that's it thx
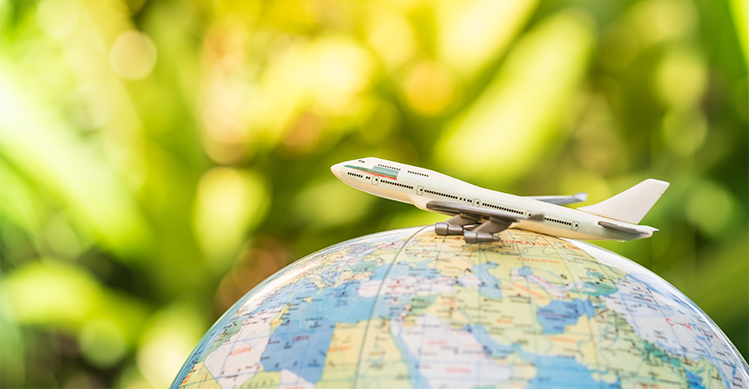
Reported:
(160, 158)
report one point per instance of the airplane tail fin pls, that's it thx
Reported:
(631, 205)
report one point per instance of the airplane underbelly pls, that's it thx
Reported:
(387, 193)
(582, 232)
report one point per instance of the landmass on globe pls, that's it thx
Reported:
(479, 213)
(412, 309)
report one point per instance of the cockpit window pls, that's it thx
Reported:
(362, 161)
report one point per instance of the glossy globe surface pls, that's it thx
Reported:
(410, 309)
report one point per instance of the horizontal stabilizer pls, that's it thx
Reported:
(639, 230)
(631, 205)
(561, 200)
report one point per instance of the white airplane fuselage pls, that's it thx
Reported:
(418, 186)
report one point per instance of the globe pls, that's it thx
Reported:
(411, 309)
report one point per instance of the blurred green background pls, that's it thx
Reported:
(160, 158)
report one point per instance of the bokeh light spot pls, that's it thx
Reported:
(102, 342)
(303, 134)
(429, 88)
(225, 92)
(710, 207)
(681, 78)
(57, 17)
(50, 292)
(473, 32)
(684, 133)
(133, 55)
(229, 202)
(658, 20)
(222, 191)
(329, 204)
(503, 133)
(343, 69)
(392, 38)
(167, 342)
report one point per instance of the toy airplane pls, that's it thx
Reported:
(479, 213)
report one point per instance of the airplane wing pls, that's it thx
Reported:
(561, 200)
(476, 212)
(465, 214)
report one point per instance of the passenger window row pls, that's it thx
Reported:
(397, 184)
(558, 221)
(441, 194)
(388, 167)
(503, 208)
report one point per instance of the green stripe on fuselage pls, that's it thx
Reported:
(378, 171)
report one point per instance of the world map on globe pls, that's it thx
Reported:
(410, 309)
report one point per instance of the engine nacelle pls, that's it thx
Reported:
(479, 237)
(444, 229)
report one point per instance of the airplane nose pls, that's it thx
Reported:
(336, 169)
